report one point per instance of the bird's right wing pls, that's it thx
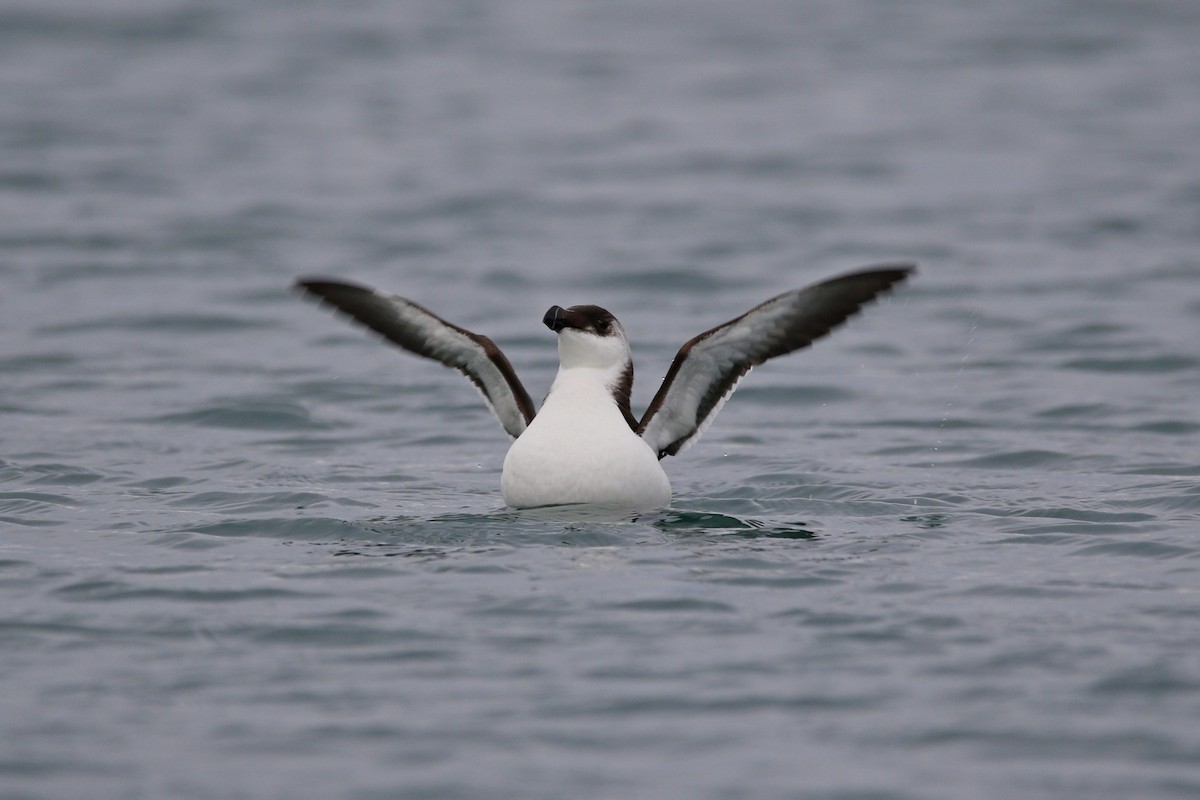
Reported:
(419, 331)
(707, 369)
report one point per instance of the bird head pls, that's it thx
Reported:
(588, 336)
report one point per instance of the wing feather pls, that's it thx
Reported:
(708, 367)
(423, 333)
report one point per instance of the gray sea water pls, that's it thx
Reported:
(247, 551)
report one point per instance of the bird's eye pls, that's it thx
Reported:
(602, 327)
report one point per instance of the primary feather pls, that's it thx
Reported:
(708, 367)
(423, 333)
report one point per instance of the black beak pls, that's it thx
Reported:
(554, 318)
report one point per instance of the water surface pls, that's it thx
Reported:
(248, 551)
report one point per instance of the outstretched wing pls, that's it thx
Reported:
(707, 369)
(418, 331)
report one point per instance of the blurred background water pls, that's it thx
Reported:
(246, 551)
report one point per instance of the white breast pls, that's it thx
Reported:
(579, 449)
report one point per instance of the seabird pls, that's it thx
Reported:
(584, 445)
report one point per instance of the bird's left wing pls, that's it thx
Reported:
(707, 369)
(419, 331)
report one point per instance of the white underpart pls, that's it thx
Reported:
(579, 448)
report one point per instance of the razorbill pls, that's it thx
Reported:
(585, 445)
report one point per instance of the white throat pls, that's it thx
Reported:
(577, 349)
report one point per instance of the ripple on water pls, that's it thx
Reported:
(1158, 498)
(248, 413)
(1153, 680)
(1167, 469)
(1140, 364)
(109, 591)
(307, 528)
(670, 604)
(324, 634)
(1081, 411)
(1015, 459)
(1142, 548)
(55, 362)
(1067, 520)
(654, 279)
(1168, 427)
(246, 502)
(47, 474)
(33, 509)
(160, 323)
(691, 523)
(789, 396)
